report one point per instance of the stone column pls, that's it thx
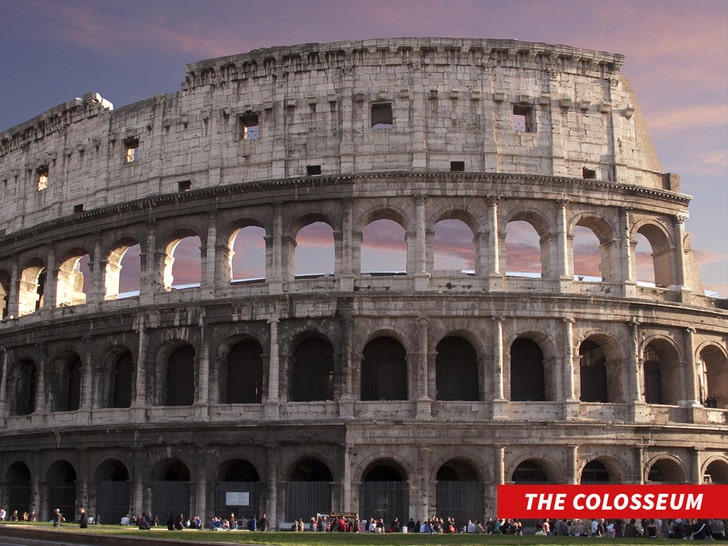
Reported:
(140, 394)
(571, 399)
(4, 363)
(200, 497)
(271, 484)
(274, 253)
(202, 391)
(500, 404)
(137, 487)
(151, 267)
(87, 386)
(273, 391)
(421, 499)
(690, 381)
(696, 474)
(51, 283)
(344, 269)
(346, 505)
(680, 280)
(571, 465)
(634, 374)
(420, 272)
(13, 298)
(627, 276)
(493, 253)
(97, 265)
(565, 271)
(419, 374)
(208, 263)
(499, 469)
(346, 397)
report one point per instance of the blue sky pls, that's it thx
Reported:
(676, 58)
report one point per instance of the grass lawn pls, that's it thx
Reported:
(290, 538)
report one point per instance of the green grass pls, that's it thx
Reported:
(289, 538)
(327, 539)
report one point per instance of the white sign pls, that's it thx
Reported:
(237, 498)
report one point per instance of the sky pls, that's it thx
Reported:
(676, 56)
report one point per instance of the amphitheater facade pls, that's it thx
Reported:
(405, 391)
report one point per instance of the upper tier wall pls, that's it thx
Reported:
(499, 106)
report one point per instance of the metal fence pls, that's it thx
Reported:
(462, 500)
(237, 492)
(63, 497)
(19, 498)
(170, 498)
(306, 499)
(112, 501)
(384, 500)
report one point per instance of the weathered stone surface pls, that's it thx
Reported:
(99, 386)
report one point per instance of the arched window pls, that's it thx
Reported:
(527, 371)
(644, 269)
(384, 370)
(457, 370)
(660, 265)
(383, 247)
(23, 384)
(65, 388)
(661, 373)
(313, 370)
(523, 250)
(121, 381)
(315, 250)
(714, 380)
(73, 280)
(593, 373)
(32, 287)
(453, 247)
(4, 293)
(247, 261)
(243, 381)
(181, 377)
(183, 267)
(586, 254)
(123, 270)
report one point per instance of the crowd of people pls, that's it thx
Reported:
(695, 529)
(178, 522)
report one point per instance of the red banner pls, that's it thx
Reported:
(612, 501)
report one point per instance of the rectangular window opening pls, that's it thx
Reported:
(77, 208)
(313, 170)
(185, 185)
(42, 178)
(249, 129)
(382, 117)
(522, 120)
(589, 174)
(457, 166)
(131, 150)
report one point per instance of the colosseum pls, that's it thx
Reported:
(197, 318)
